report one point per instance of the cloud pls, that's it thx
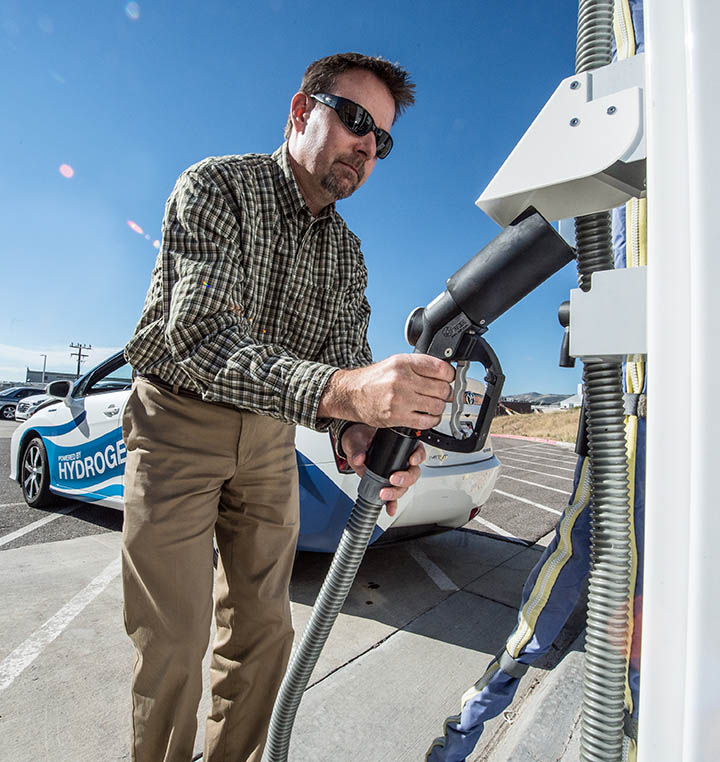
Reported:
(15, 360)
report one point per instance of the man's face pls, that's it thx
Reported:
(337, 160)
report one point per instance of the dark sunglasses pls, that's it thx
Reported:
(357, 120)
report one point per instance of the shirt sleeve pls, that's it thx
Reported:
(206, 331)
(347, 345)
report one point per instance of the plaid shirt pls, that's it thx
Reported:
(252, 301)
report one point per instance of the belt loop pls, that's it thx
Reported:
(175, 389)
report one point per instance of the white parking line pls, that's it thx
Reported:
(26, 653)
(436, 574)
(502, 458)
(528, 456)
(542, 473)
(536, 484)
(529, 502)
(12, 505)
(37, 524)
(542, 453)
(571, 461)
(498, 530)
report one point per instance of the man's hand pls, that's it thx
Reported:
(355, 443)
(403, 390)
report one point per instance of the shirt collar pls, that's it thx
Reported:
(289, 194)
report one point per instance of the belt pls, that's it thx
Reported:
(181, 391)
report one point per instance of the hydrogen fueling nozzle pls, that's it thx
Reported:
(516, 261)
(520, 258)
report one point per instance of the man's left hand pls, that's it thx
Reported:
(355, 443)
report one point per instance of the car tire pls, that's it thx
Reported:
(8, 413)
(35, 475)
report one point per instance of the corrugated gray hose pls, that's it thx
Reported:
(601, 738)
(332, 595)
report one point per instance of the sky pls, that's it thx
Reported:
(105, 103)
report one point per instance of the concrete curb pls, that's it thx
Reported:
(547, 722)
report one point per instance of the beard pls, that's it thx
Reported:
(340, 181)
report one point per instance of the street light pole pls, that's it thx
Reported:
(44, 365)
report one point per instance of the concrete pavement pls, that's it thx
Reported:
(401, 655)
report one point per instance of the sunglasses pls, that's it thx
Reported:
(357, 120)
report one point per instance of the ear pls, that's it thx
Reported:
(300, 107)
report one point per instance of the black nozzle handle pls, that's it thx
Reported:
(474, 349)
(390, 450)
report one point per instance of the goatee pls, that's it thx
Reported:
(337, 182)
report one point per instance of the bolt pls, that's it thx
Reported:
(574, 122)
(448, 352)
(482, 322)
(574, 85)
(611, 110)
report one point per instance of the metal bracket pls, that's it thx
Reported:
(584, 153)
(609, 320)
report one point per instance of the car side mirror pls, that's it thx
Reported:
(61, 389)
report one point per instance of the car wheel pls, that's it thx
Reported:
(35, 475)
(8, 413)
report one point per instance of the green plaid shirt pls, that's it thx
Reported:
(253, 301)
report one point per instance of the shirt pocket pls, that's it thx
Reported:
(312, 295)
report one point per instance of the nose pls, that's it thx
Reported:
(366, 145)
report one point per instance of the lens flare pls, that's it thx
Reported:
(156, 244)
(134, 226)
(132, 11)
(66, 170)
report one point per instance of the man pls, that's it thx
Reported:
(255, 321)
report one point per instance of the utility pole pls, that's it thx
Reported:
(79, 354)
(44, 364)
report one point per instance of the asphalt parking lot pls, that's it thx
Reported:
(419, 626)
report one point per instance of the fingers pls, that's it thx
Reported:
(402, 390)
(358, 464)
(432, 367)
(355, 443)
(401, 481)
(418, 455)
(421, 420)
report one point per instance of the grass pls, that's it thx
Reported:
(561, 426)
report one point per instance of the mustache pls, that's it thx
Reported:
(358, 166)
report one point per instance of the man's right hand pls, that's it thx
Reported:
(403, 390)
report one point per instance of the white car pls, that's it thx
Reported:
(9, 399)
(26, 407)
(73, 448)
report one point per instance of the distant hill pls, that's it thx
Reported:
(538, 399)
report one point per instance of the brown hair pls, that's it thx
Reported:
(321, 75)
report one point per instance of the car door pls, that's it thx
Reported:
(94, 470)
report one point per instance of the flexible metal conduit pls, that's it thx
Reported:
(332, 595)
(601, 737)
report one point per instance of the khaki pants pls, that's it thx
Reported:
(194, 469)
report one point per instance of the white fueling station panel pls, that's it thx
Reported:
(584, 152)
